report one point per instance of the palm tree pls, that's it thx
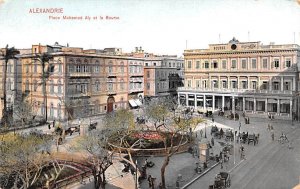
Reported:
(7, 53)
(44, 58)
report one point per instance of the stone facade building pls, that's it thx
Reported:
(243, 76)
(81, 82)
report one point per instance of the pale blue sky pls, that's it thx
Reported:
(159, 26)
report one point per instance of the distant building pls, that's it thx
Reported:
(243, 76)
(163, 74)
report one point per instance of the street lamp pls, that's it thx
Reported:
(205, 130)
(136, 177)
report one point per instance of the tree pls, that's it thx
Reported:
(170, 127)
(7, 53)
(99, 156)
(44, 59)
(25, 111)
(23, 159)
(120, 126)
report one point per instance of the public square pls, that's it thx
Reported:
(267, 165)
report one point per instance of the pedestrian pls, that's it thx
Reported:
(269, 128)
(201, 132)
(150, 181)
(212, 141)
(221, 162)
(272, 135)
(53, 123)
(146, 162)
(49, 126)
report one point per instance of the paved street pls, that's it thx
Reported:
(268, 165)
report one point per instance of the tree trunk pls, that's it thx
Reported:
(44, 92)
(4, 110)
(162, 171)
(103, 180)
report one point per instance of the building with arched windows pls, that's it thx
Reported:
(243, 76)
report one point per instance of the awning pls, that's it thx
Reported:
(272, 101)
(138, 102)
(132, 103)
(284, 101)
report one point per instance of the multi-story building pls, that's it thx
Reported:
(81, 82)
(244, 76)
(13, 81)
(162, 74)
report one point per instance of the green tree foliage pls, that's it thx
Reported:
(22, 159)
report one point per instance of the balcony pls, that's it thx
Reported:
(80, 74)
(79, 95)
(138, 80)
(111, 92)
(136, 74)
(136, 90)
(236, 91)
(112, 74)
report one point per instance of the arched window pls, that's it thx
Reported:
(27, 85)
(122, 67)
(51, 86)
(59, 111)
(110, 67)
(35, 85)
(59, 87)
(122, 84)
(97, 86)
(51, 110)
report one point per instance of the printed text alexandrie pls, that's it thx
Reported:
(46, 10)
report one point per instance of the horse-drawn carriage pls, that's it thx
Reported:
(222, 181)
(253, 138)
(229, 135)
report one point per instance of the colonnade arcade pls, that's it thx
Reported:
(250, 104)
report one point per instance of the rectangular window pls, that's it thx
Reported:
(27, 68)
(264, 85)
(197, 64)
(265, 63)
(215, 84)
(148, 86)
(224, 84)
(233, 64)
(223, 64)
(70, 68)
(198, 83)
(233, 85)
(287, 86)
(169, 64)
(189, 83)
(204, 84)
(59, 68)
(215, 65)
(254, 85)
(206, 65)
(97, 69)
(276, 63)
(244, 84)
(244, 63)
(35, 68)
(189, 64)
(288, 62)
(253, 63)
(275, 85)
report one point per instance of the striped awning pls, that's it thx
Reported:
(132, 103)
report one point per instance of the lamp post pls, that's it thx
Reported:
(205, 131)
(234, 148)
(136, 177)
